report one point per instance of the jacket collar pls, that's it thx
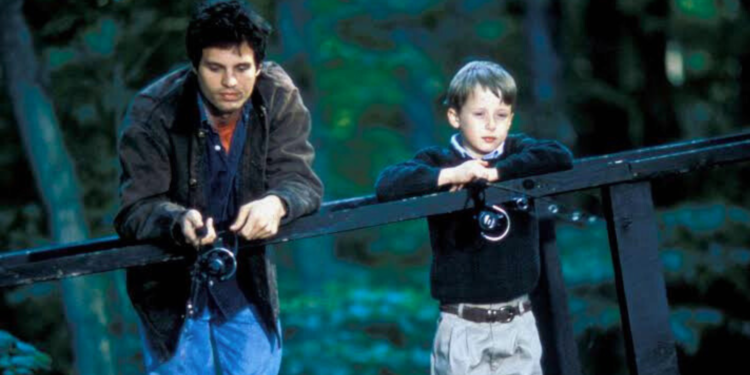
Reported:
(188, 114)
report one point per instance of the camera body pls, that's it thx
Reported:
(494, 221)
(216, 261)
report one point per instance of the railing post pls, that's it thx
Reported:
(550, 301)
(631, 223)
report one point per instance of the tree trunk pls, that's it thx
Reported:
(610, 117)
(546, 110)
(83, 298)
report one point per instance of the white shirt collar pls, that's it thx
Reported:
(456, 144)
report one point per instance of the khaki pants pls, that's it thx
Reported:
(464, 347)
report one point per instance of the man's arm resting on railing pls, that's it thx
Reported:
(145, 210)
(290, 176)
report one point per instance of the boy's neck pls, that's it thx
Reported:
(457, 142)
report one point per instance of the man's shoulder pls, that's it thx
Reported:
(273, 77)
(160, 98)
(277, 91)
(164, 89)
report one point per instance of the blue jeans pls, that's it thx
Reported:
(239, 345)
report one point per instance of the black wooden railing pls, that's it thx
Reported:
(624, 179)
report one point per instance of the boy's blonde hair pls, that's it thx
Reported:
(487, 74)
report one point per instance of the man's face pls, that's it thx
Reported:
(484, 121)
(226, 77)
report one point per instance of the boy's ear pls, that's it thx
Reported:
(453, 118)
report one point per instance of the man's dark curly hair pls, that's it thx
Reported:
(226, 24)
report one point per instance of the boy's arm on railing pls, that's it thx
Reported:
(529, 156)
(417, 176)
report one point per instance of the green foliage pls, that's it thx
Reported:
(20, 358)
(102, 38)
(358, 328)
(353, 175)
(705, 258)
(702, 9)
(369, 62)
(490, 31)
(585, 262)
(22, 227)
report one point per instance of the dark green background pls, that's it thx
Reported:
(600, 76)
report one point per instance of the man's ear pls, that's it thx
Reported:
(453, 118)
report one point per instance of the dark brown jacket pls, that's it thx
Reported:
(161, 154)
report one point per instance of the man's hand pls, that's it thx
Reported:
(259, 219)
(192, 221)
(467, 172)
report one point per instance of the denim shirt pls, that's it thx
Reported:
(221, 176)
(221, 168)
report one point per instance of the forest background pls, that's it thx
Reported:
(600, 76)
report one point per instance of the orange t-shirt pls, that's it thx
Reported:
(225, 133)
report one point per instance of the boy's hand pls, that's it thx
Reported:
(468, 171)
(259, 219)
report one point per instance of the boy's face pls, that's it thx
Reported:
(227, 76)
(484, 121)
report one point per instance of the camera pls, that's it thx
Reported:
(494, 221)
(216, 261)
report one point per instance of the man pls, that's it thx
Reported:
(215, 150)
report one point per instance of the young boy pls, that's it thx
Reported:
(486, 325)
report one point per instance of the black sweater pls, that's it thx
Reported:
(466, 267)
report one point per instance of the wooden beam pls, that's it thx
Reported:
(641, 290)
(587, 175)
(672, 148)
(31, 265)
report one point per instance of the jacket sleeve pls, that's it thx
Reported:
(529, 157)
(290, 156)
(417, 176)
(145, 209)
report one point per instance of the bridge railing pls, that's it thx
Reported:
(624, 179)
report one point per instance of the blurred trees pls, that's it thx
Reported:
(85, 299)
(601, 76)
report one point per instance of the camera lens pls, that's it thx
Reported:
(215, 266)
(218, 262)
(494, 223)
